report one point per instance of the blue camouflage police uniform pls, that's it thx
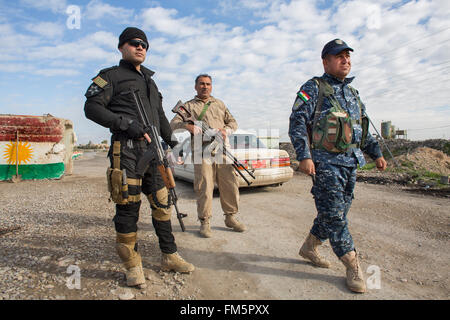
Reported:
(335, 172)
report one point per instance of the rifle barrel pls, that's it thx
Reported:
(236, 162)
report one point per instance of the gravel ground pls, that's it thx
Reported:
(51, 229)
(62, 225)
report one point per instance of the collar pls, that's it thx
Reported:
(128, 65)
(333, 80)
(211, 98)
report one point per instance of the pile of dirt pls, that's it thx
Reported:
(427, 159)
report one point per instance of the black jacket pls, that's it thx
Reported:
(109, 104)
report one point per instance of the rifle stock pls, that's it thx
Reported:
(166, 174)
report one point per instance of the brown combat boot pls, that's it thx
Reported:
(125, 246)
(232, 222)
(309, 251)
(355, 278)
(205, 228)
(174, 262)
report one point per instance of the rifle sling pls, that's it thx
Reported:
(202, 114)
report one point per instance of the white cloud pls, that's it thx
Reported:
(96, 10)
(52, 5)
(46, 29)
(399, 61)
(164, 21)
(86, 49)
(68, 56)
(255, 4)
(32, 69)
(264, 68)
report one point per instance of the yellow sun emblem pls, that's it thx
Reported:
(25, 153)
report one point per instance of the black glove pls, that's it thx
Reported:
(135, 129)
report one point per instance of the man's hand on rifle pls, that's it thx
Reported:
(135, 129)
(211, 133)
(224, 134)
(193, 129)
(172, 159)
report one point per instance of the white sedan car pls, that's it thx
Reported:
(271, 167)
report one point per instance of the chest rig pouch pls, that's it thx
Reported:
(334, 131)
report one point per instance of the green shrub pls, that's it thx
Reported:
(446, 148)
(369, 166)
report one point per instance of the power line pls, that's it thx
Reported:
(429, 128)
(380, 82)
(382, 53)
(415, 71)
(395, 58)
(394, 89)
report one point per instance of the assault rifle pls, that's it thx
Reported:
(180, 109)
(156, 152)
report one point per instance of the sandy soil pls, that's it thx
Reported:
(404, 237)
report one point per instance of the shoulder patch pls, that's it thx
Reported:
(99, 81)
(304, 96)
(297, 104)
(93, 90)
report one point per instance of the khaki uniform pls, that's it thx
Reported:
(217, 116)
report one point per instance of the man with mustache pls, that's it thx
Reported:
(215, 115)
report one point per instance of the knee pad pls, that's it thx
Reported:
(160, 214)
(126, 248)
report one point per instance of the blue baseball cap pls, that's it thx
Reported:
(334, 47)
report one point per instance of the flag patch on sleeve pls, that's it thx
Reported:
(304, 96)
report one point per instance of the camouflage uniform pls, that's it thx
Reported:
(335, 172)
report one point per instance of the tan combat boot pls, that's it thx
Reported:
(309, 251)
(205, 228)
(125, 244)
(232, 222)
(355, 278)
(174, 262)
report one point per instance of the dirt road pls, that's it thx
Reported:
(65, 225)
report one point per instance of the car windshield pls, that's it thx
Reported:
(245, 141)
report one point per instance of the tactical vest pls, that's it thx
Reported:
(334, 131)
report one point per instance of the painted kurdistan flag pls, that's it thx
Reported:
(41, 146)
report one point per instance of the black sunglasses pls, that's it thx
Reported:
(136, 43)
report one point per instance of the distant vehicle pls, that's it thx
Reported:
(271, 167)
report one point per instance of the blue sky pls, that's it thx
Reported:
(259, 52)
